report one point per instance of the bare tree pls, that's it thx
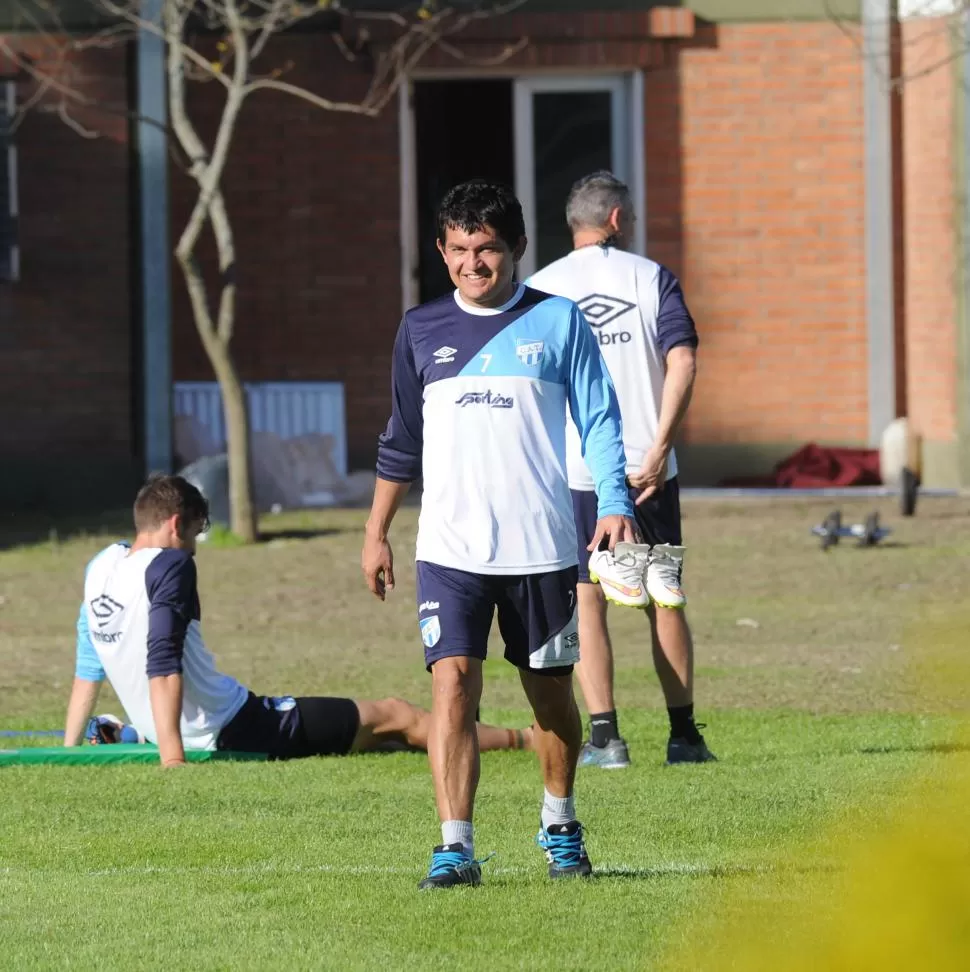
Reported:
(220, 42)
(947, 20)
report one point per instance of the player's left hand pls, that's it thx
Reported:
(377, 562)
(652, 475)
(616, 528)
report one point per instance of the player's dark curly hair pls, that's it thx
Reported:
(473, 205)
(163, 496)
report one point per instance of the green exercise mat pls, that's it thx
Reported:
(111, 753)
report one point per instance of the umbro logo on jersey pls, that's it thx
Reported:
(428, 606)
(490, 398)
(529, 352)
(445, 355)
(601, 310)
(104, 609)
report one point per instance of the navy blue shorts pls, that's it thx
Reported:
(288, 728)
(658, 520)
(536, 616)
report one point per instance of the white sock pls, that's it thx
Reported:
(557, 810)
(459, 832)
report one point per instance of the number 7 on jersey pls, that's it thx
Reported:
(486, 361)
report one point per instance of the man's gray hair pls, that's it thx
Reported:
(593, 198)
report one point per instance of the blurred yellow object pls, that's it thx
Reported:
(893, 892)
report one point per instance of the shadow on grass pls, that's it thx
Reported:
(705, 871)
(939, 748)
(32, 529)
(301, 533)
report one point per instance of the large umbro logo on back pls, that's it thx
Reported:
(104, 609)
(601, 310)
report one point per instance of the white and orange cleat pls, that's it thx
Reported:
(664, 576)
(622, 573)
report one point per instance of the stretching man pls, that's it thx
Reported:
(480, 381)
(139, 626)
(637, 311)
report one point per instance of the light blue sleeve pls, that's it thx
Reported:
(596, 413)
(87, 665)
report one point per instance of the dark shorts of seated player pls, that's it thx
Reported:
(536, 616)
(288, 728)
(658, 520)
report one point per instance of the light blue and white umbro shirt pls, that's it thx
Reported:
(140, 618)
(479, 399)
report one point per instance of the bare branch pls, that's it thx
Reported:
(65, 116)
(189, 52)
(946, 18)
(352, 107)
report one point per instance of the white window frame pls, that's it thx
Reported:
(626, 135)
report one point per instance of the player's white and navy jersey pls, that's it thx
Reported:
(140, 618)
(637, 312)
(479, 410)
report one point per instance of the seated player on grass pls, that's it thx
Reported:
(139, 626)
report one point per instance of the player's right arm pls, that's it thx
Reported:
(171, 584)
(88, 676)
(596, 414)
(398, 464)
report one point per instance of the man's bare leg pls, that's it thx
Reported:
(452, 741)
(558, 731)
(388, 724)
(673, 658)
(673, 654)
(558, 736)
(595, 669)
(595, 674)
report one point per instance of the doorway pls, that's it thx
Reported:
(536, 134)
(463, 130)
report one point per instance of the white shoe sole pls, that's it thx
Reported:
(666, 600)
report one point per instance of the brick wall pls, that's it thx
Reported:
(755, 194)
(931, 220)
(754, 150)
(772, 235)
(65, 347)
(315, 201)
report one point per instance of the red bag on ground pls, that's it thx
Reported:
(815, 467)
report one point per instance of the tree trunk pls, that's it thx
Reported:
(242, 512)
(210, 207)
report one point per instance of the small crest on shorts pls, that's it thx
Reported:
(430, 631)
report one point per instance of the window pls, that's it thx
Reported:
(9, 250)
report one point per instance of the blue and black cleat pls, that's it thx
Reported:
(565, 850)
(451, 866)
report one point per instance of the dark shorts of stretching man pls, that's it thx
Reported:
(289, 728)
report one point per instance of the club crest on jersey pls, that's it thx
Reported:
(490, 398)
(430, 631)
(528, 351)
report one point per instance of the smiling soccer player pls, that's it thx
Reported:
(480, 383)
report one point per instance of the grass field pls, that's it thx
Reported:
(818, 705)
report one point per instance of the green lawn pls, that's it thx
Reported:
(823, 715)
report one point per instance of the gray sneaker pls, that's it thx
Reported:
(614, 755)
(689, 750)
